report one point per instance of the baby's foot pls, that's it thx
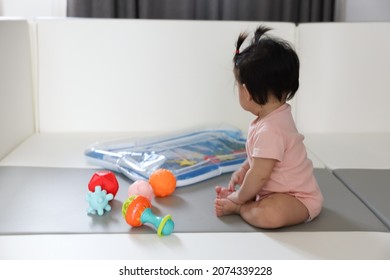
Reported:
(225, 207)
(222, 192)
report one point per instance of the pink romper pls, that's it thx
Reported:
(275, 136)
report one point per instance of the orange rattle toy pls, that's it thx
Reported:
(137, 210)
(163, 182)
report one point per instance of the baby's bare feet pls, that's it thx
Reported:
(222, 192)
(224, 206)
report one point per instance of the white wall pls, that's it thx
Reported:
(143, 74)
(16, 97)
(33, 8)
(346, 77)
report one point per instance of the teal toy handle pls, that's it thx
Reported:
(163, 225)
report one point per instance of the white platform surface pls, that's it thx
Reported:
(203, 246)
(66, 150)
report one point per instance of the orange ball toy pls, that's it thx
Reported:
(163, 182)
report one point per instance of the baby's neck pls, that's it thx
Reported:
(269, 107)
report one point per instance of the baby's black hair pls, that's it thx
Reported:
(267, 66)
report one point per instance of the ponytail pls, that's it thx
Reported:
(241, 38)
(260, 31)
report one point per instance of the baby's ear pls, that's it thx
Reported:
(248, 96)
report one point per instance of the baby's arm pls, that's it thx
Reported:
(238, 176)
(255, 178)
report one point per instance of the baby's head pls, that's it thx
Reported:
(267, 66)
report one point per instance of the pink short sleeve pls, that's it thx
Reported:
(268, 144)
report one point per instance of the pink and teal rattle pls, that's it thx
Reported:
(137, 210)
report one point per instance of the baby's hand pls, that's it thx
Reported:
(236, 179)
(222, 192)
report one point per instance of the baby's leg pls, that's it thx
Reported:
(275, 211)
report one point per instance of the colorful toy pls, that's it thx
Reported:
(137, 211)
(102, 187)
(163, 182)
(105, 179)
(98, 201)
(141, 187)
